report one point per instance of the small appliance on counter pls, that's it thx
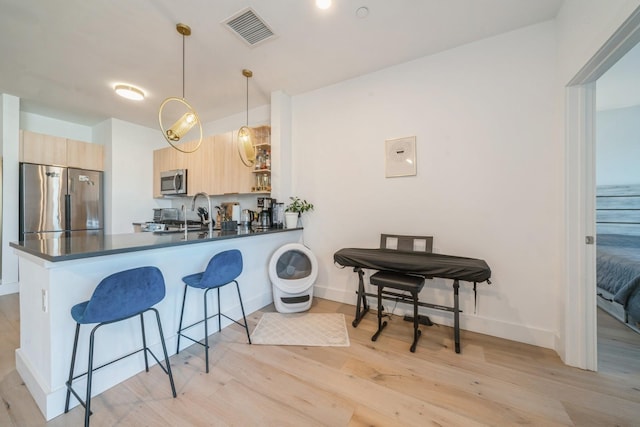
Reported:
(265, 217)
(246, 218)
(278, 215)
(169, 220)
(165, 214)
(229, 214)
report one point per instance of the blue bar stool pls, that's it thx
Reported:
(119, 296)
(222, 270)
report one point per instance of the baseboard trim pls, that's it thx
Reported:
(9, 288)
(470, 322)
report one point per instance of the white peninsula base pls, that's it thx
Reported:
(48, 290)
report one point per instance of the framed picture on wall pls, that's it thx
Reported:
(400, 157)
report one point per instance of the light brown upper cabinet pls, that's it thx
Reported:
(43, 149)
(214, 168)
(85, 155)
(239, 178)
(53, 150)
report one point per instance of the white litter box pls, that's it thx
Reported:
(293, 270)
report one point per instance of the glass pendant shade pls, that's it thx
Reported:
(182, 126)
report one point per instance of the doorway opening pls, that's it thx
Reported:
(581, 314)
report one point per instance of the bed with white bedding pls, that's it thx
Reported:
(618, 251)
(618, 272)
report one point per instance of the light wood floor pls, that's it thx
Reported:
(492, 382)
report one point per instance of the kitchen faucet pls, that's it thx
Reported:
(193, 206)
(184, 214)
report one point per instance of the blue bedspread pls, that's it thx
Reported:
(618, 270)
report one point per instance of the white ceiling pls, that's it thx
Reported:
(62, 58)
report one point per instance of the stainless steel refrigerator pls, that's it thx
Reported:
(56, 199)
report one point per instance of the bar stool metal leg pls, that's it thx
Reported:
(73, 364)
(87, 405)
(246, 325)
(206, 332)
(166, 355)
(184, 297)
(219, 317)
(144, 344)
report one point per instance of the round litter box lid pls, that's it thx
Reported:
(293, 268)
(293, 265)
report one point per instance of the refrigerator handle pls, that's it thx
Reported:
(67, 210)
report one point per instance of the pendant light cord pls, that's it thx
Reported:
(247, 101)
(183, 66)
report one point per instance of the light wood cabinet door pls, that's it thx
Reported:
(235, 177)
(164, 159)
(43, 149)
(203, 164)
(244, 176)
(223, 172)
(194, 164)
(85, 155)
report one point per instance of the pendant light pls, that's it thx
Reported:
(245, 135)
(190, 118)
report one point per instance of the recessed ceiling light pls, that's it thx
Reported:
(323, 4)
(129, 92)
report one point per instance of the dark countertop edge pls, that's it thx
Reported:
(83, 255)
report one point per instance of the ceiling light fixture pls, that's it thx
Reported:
(129, 92)
(245, 135)
(190, 118)
(323, 4)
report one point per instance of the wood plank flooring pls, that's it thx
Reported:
(492, 382)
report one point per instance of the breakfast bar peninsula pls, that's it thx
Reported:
(59, 272)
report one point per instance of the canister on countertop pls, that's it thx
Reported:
(235, 212)
(278, 215)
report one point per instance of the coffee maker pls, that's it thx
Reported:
(265, 218)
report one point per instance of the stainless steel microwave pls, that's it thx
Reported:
(173, 182)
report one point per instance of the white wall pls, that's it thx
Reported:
(618, 146)
(129, 173)
(257, 116)
(488, 175)
(9, 142)
(49, 126)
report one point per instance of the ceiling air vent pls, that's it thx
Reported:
(249, 26)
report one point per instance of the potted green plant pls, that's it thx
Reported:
(294, 211)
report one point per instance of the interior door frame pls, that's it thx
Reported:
(580, 310)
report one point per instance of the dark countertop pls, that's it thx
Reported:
(78, 245)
